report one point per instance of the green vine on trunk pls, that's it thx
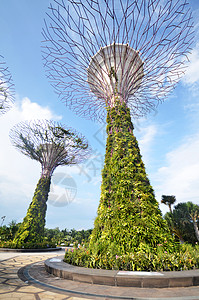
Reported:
(32, 227)
(128, 218)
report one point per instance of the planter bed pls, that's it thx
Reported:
(59, 268)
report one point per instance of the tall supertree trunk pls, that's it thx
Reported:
(32, 227)
(128, 214)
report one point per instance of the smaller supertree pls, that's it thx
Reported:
(52, 145)
(6, 88)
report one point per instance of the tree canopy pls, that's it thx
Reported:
(168, 200)
(50, 143)
(184, 221)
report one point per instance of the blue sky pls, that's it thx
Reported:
(168, 138)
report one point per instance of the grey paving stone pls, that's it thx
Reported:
(44, 285)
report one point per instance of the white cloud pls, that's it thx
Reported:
(31, 110)
(25, 110)
(19, 174)
(180, 177)
(146, 136)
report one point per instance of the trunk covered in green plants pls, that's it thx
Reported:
(32, 228)
(129, 218)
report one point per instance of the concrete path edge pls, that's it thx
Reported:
(30, 250)
(59, 268)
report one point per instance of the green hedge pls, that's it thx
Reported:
(27, 245)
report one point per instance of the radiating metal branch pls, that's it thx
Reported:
(6, 88)
(50, 143)
(76, 30)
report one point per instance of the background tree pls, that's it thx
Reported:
(7, 233)
(6, 88)
(193, 210)
(168, 200)
(177, 226)
(115, 58)
(184, 221)
(67, 237)
(52, 145)
(54, 236)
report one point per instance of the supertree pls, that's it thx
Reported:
(6, 88)
(119, 58)
(52, 145)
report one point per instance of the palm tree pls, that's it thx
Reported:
(176, 225)
(193, 210)
(168, 200)
(52, 145)
(183, 221)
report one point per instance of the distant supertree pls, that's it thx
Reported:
(119, 58)
(6, 88)
(52, 145)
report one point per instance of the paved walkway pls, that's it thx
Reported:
(12, 287)
(40, 285)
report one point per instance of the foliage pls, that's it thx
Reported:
(67, 237)
(8, 232)
(181, 221)
(32, 227)
(27, 245)
(185, 257)
(51, 237)
(168, 200)
(128, 213)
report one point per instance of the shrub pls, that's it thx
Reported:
(27, 245)
(185, 257)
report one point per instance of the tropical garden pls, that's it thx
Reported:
(180, 220)
(183, 222)
(129, 231)
(52, 237)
